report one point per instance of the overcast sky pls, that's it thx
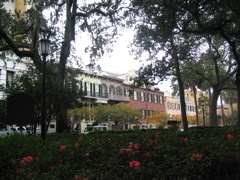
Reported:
(120, 60)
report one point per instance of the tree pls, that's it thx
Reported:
(102, 113)
(20, 35)
(217, 70)
(213, 18)
(124, 113)
(230, 97)
(29, 82)
(158, 118)
(118, 113)
(77, 115)
(157, 30)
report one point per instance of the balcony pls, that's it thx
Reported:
(118, 97)
(108, 96)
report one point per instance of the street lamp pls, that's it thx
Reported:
(203, 104)
(44, 45)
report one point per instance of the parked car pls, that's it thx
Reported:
(5, 130)
(91, 129)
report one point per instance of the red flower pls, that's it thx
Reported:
(230, 136)
(137, 146)
(29, 176)
(185, 139)
(135, 165)
(197, 157)
(151, 141)
(62, 148)
(148, 155)
(76, 145)
(26, 160)
(19, 171)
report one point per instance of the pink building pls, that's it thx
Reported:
(146, 101)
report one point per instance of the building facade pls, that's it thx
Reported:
(10, 66)
(173, 107)
(148, 102)
(19, 5)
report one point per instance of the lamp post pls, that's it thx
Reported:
(44, 45)
(203, 104)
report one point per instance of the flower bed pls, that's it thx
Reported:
(158, 154)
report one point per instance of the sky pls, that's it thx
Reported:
(120, 60)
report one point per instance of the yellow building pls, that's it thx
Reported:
(19, 5)
(200, 95)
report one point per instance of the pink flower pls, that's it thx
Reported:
(137, 146)
(230, 136)
(124, 150)
(196, 156)
(148, 155)
(62, 148)
(26, 160)
(87, 154)
(76, 145)
(135, 165)
(186, 139)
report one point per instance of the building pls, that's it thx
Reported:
(19, 5)
(148, 102)
(102, 89)
(223, 113)
(173, 108)
(10, 64)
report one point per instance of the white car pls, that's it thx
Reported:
(91, 129)
(5, 130)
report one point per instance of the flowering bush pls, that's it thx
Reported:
(155, 154)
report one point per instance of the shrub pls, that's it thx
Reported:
(201, 153)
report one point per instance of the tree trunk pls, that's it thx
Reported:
(238, 95)
(222, 109)
(180, 84)
(213, 107)
(196, 103)
(62, 121)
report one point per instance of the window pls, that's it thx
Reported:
(168, 105)
(142, 96)
(112, 90)
(119, 91)
(178, 106)
(87, 88)
(135, 95)
(104, 90)
(161, 99)
(126, 92)
(10, 75)
(143, 112)
(155, 98)
(149, 98)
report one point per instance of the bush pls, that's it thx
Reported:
(201, 153)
